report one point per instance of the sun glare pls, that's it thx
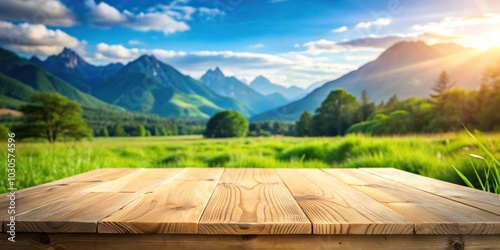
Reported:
(485, 41)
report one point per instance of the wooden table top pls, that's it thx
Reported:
(254, 201)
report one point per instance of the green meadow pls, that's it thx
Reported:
(430, 155)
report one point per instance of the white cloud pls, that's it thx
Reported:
(105, 15)
(105, 53)
(34, 38)
(210, 12)
(480, 32)
(49, 12)
(256, 46)
(296, 45)
(340, 29)
(168, 19)
(381, 22)
(451, 25)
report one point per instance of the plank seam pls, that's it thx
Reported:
(136, 198)
(288, 189)
(208, 202)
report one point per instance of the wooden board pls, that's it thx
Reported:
(334, 207)
(230, 242)
(430, 213)
(253, 201)
(34, 197)
(173, 207)
(476, 198)
(80, 211)
(139, 181)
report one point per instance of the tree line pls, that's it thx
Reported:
(446, 109)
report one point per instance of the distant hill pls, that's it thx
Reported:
(407, 69)
(150, 86)
(20, 79)
(262, 85)
(72, 68)
(315, 85)
(232, 87)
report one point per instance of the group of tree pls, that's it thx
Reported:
(270, 128)
(446, 109)
(339, 111)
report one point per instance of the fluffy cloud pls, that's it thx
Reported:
(34, 38)
(105, 15)
(381, 22)
(340, 29)
(480, 32)
(164, 18)
(451, 25)
(49, 12)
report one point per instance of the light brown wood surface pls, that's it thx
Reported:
(337, 208)
(473, 197)
(430, 213)
(253, 201)
(173, 207)
(31, 198)
(287, 203)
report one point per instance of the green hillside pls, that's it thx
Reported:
(150, 86)
(21, 79)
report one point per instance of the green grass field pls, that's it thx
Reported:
(431, 156)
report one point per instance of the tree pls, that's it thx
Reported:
(51, 116)
(119, 131)
(392, 102)
(443, 84)
(488, 116)
(140, 131)
(303, 125)
(367, 108)
(226, 124)
(336, 114)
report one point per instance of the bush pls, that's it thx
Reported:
(226, 124)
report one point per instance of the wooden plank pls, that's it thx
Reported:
(34, 197)
(469, 196)
(173, 207)
(229, 242)
(334, 207)
(430, 213)
(253, 201)
(80, 212)
(141, 180)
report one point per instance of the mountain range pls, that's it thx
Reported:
(407, 69)
(262, 85)
(232, 87)
(147, 85)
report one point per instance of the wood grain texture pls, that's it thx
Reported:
(230, 242)
(78, 213)
(140, 181)
(253, 201)
(334, 207)
(173, 207)
(34, 197)
(430, 213)
(476, 198)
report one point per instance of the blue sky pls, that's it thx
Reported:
(291, 42)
